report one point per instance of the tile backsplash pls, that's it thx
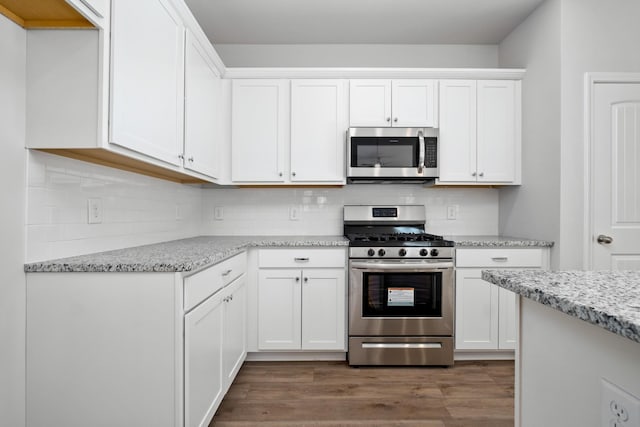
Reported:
(247, 211)
(136, 209)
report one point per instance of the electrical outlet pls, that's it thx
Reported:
(94, 211)
(619, 408)
(294, 213)
(452, 212)
(218, 213)
(178, 212)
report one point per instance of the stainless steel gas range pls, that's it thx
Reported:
(401, 288)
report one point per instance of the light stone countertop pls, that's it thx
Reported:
(183, 255)
(497, 242)
(608, 299)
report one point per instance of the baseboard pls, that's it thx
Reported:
(484, 355)
(278, 356)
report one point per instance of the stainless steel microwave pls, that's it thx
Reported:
(392, 155)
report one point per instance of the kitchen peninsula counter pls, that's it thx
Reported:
(497, 242)
(579, 332)
(184, 255)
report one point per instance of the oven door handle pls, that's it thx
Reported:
(422, 265)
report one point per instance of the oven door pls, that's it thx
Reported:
(401, 298)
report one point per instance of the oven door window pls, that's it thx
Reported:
(402, 294)
(378, 152)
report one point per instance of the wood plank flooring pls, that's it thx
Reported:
(331, 394)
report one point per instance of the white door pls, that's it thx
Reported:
(279, 308)
(323, 309)
(234, 348)
(203, 380)
(318, 130)
(457, 142)
(202, 97)
(497, 137)
(616, 176)
(413, 103)
(259, 137)
(476, 311)
(370, 103)
(147, 79)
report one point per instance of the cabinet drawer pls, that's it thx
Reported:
(498, 257)
(207, 282)
(301, 258)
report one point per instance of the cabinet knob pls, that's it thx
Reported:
(306, 279)
(481, 174)
(388, 119)
(280, 174)
(395, 120)
(181, 156)
(473, 174)
(190, 159)
(297, 279)
(293, 174)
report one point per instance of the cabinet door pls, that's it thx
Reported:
(476, 311)
(235, 330)
(370, 103)
(203, 378)
(202, 100)
(259, 122)
(414, 102)
(457, 141)
(279, 308)
(318, 126)
(323, 309)
(508, 319)
(147, 79)
(497, 138)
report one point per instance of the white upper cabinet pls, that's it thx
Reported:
(203, 90)
(318, 129)
(479, 132)
(259, 119)
(147, 79)
(401, 103)
(288, 132)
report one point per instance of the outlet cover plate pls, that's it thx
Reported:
(619, 408)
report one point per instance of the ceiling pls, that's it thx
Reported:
(360, 21)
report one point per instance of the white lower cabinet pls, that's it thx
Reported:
(301, 308)
(116, 349)
(486, 315)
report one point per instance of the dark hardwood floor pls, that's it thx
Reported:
(331, 394)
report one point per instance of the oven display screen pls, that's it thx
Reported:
(385, 212)
(402, 294)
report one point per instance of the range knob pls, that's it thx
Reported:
(371, 252)
(424, 252)
(381, 252)
(434, 252)
(402, 252)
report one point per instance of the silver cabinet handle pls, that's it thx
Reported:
(604, 240)
(226, 273)
(500, 258)
(422, 151)
(481, 174)
(301, 259)
(473, 174)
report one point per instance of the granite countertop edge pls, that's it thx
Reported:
(583, 296)
(497, 242)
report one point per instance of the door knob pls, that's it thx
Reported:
(604, 240)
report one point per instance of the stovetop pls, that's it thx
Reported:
(397, 239)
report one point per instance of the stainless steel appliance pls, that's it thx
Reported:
(401, 288)
(392, 155)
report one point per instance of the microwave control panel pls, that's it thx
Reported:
(431, 153)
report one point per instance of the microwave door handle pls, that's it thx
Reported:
(422, 152)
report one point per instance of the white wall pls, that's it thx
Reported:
(533, 209)
(596, 36)
(12, 183)
(359, 55)
(250, 211)
(137, 210)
